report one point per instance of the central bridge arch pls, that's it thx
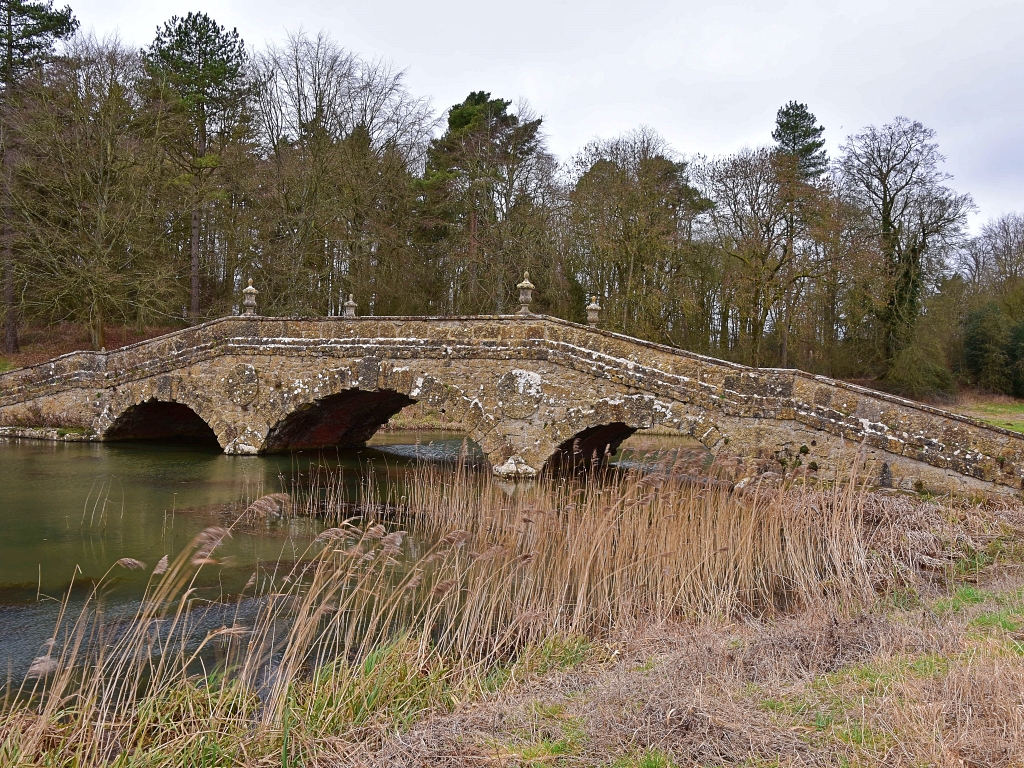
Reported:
(346, 419)
(590, 447)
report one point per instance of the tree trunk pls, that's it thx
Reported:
(194, 290)
(194, 286)
(97, 333)
(10, 296)
(784, 340)
(723, 329)
(10, 305)
(784, 334)
(473, 275)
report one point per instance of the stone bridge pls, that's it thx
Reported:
(534, 392)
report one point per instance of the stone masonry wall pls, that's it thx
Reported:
(521, 386)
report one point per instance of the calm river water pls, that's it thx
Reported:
(69, 511)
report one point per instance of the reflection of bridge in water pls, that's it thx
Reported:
(534, 392)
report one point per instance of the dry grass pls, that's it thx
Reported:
(605, 556)
(646, 620)
(930, 674)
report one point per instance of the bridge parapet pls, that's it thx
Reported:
(533, 391)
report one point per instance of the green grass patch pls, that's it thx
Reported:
(1004, 620)
(1006, 415)
(1016, 647)
(902, 599)
(563, 737)
(868, 679)
(1000, 409)
(964, 596)
(543, 751)
(647, 666)
(973, 563)
(929, 665)
(861, 735)
(5, 365)
(556, 653)
(822, 720)
(650, 758)
(496, 679)
(793, 707)
(1011, 601)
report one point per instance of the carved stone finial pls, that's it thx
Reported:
(350, 306)
(249, 300)
(525, 294)
(593, 312)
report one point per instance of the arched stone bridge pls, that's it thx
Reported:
(533, 391)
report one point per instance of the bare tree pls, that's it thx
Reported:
(632, 210)
(761, 221)
(339, 139)
(88, 191)
(893, 173)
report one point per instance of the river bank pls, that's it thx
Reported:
(929, 673)
(644, 622)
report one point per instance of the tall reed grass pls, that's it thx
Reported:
(446, 585)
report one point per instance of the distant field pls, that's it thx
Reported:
(999, 411)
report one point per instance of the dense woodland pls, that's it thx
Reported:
(145, 186)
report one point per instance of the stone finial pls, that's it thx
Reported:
(350, 306)
(593, 312)
(249, 300)
(525, 294)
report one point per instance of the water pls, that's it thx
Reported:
(70, 511)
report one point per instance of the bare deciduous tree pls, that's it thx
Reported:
(88, 191)
(893, 173)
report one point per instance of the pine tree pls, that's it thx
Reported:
(796, 134)
(482, 181)
(28, 32)
(204, 66)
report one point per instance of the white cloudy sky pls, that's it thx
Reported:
(708, 75)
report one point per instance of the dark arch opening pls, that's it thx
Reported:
(591, 447)
(345, 420)
(158, 420)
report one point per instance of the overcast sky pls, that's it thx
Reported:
(709, 76)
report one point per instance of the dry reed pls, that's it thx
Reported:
(387, 616)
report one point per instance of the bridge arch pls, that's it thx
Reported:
(345, 419)
(593, 434)
(589, 447)
(165, 407)
(154, 419)
(350, 410)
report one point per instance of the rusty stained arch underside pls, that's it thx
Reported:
(344, 420)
